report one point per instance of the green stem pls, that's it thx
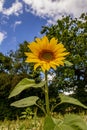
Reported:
(52, 109)
(41, 108)
(47, 95)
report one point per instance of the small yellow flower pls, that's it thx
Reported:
(46, 54)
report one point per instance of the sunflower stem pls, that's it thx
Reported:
(47, 95)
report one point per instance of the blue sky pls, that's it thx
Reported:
(22, 20)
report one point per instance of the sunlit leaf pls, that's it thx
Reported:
(75, 121)
(71, 100)
(29, 101)
(67, 63)
(25, 84)
(71, 122)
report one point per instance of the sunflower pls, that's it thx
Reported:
(46, 54)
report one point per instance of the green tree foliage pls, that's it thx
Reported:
(5, 63)
(73, 34)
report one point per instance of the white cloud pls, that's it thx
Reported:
(68, 93)
(51, 9)
(16, 23)
(1, 5)
(15, 9)
(3, 35)
(54, 9)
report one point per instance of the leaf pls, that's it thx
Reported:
(48, 123)
(75, 121)
(56, 120)
(63, 127)
(71, 100)
(25, 84)
(41, 84)
(71, 122)
(29, 101)
(67, 63)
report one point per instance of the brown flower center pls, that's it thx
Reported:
(46, 55)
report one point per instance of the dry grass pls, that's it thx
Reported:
(21, 124)
(27, 124)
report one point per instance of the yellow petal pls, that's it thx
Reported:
(61, 50)
(58, 46)
(53, 66)
(30, 55)
(60, 62)
(36, 66)
(53, 43)
(32, 60)
(47, 66)
(45, 42)
(42, 68)
(34, 48)
(38, 40)
(62, 54)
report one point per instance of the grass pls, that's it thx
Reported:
(27, 124)
(21, 124)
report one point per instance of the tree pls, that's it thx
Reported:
(73, 34)
(5, 63)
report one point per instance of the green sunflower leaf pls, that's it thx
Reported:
(67, 63)
(71, 100)
(25, 102)
(48, 123)
(75, 121)
(63, 127)
(25, 84)
(71, 122)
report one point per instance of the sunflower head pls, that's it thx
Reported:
(46, 54)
